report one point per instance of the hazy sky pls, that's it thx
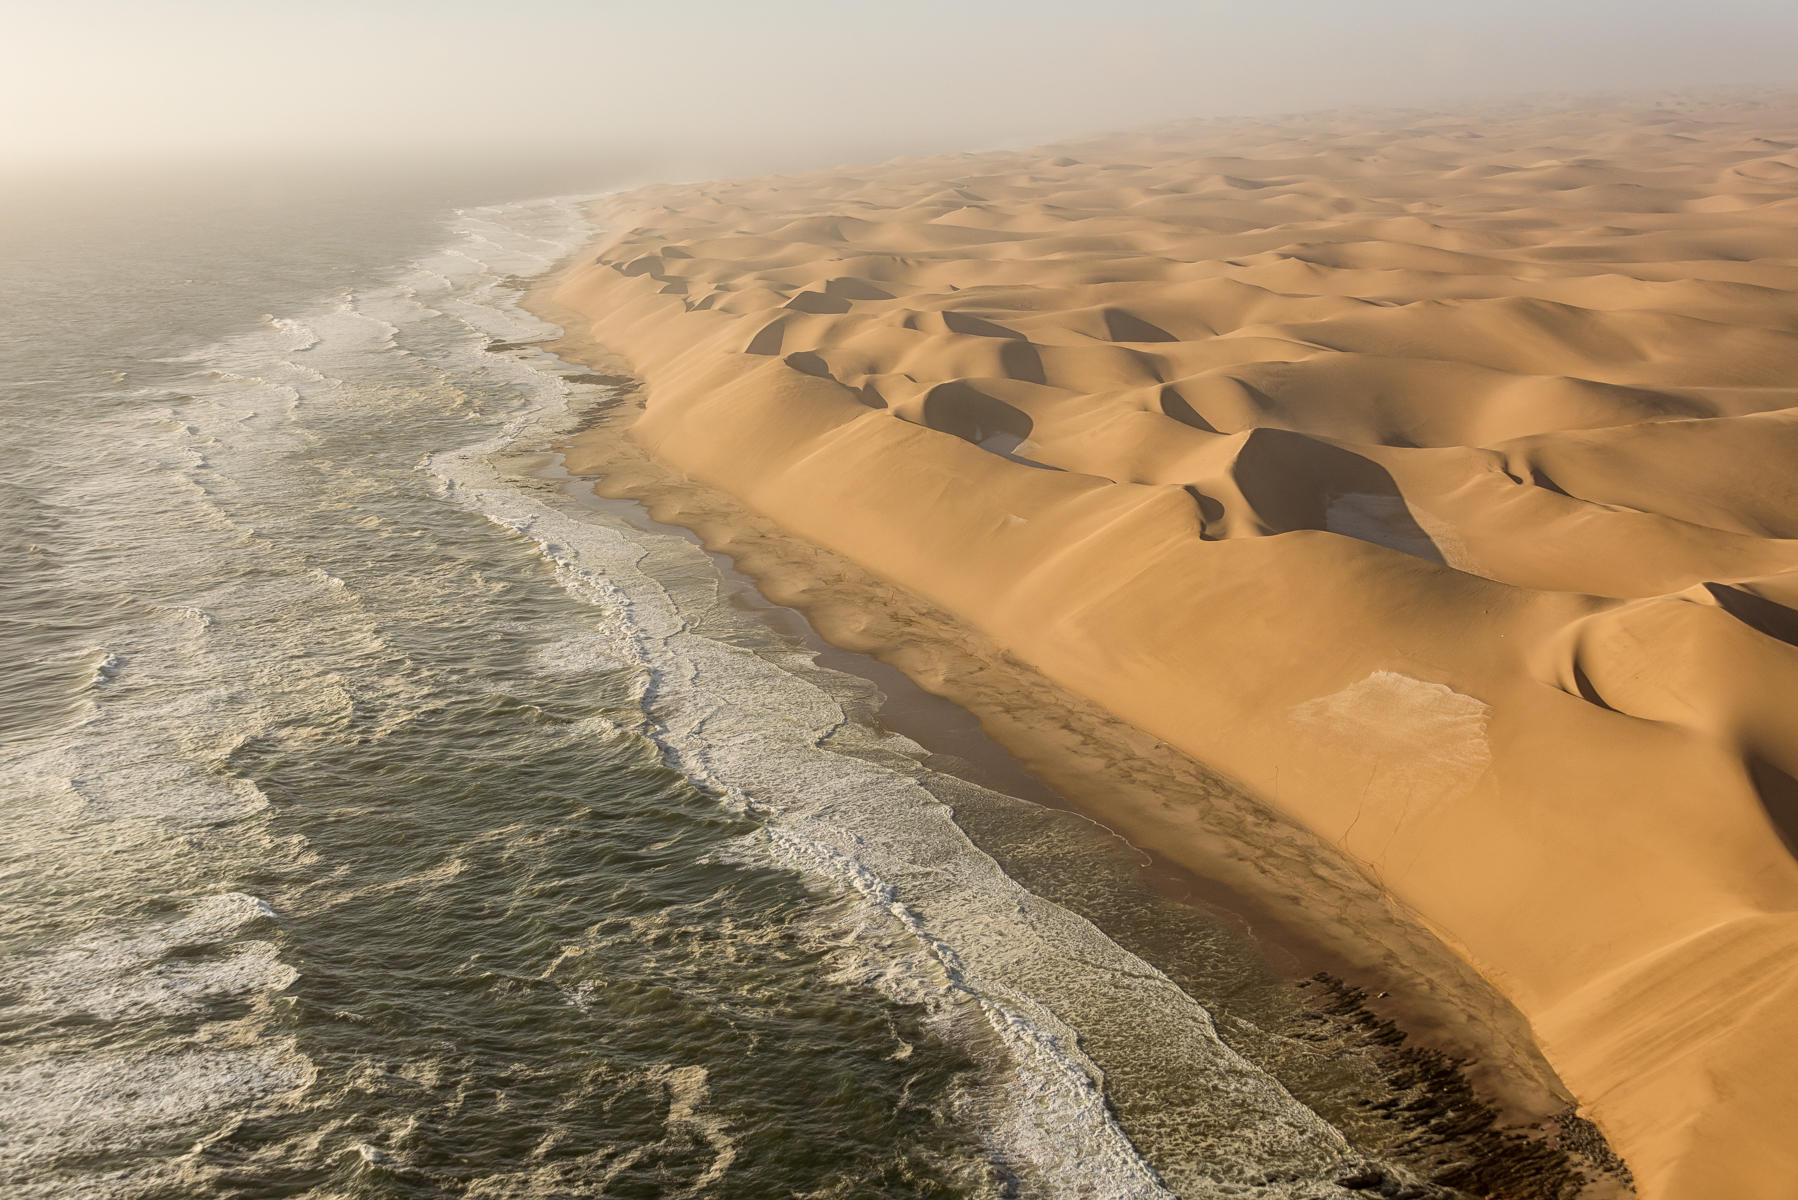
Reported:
(705, 82)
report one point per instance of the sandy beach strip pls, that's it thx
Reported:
(1433, 479)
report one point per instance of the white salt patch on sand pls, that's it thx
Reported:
(1421, 741)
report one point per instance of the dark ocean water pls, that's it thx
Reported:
(375, 820)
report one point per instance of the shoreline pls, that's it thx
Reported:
(1020, 713)
(1448, 528)
(1007, 734)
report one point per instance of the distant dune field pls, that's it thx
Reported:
(1433, 477)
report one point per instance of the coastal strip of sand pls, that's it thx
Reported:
(1433, 479)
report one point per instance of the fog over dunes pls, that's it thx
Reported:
(711, 87)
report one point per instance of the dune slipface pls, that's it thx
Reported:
(1436, 479)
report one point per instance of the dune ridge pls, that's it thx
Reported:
(1435, 478)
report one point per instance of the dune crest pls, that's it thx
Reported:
(1436, 479)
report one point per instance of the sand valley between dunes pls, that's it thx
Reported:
(1434, 478)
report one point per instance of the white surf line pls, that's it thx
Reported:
(756, 735)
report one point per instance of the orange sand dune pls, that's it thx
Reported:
(1437, 480)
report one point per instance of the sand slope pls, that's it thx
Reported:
(1436, 478)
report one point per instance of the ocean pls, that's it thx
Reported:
(377, 819)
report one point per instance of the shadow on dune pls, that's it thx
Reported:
(769, 338)
(1233, 404)
(809, 362)
(1173, 404)
(968, 413)
(1021, 361)
(1296, 482)
(1757, 612)
(1018, 356)
(972, 326)
(1124, 326)
(819, 302)
(1779, 796)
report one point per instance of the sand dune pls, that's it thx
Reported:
(1436, 479)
